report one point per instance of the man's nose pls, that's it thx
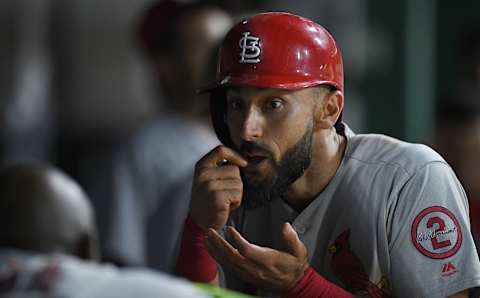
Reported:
(252, 127)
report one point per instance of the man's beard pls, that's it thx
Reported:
(286, 171)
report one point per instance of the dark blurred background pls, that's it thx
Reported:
(74, 86)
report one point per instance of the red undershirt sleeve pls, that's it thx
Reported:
(314, 285)
(194, 262)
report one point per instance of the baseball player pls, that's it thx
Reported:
(295, 204)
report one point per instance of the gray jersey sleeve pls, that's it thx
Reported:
(432, 253)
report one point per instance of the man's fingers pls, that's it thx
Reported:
(227, 199)
(222, 251)
(224, 184)
(224, 256)
(215, 253)
(221, 155)
(239, 242)
(224, 172)
(292, 243)
(250, 251)
(235, 199)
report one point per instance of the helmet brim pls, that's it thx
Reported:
(267, 81)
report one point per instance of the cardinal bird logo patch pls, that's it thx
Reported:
(436, 233)
(349, 269)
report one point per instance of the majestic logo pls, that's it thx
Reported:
(250, 48)
(449, 269)
(436, 233)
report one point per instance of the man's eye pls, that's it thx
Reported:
(275, 104)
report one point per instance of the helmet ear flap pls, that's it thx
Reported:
(218, 109)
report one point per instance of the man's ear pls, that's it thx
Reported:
(328, 110)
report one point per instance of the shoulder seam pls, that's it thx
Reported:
(379, 161)
(399, 165)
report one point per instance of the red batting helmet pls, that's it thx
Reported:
(274, 50)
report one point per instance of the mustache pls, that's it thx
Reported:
(249, 147)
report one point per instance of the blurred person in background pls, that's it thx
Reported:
(458, 139)
(152, 174)
(458, 120)
(27, 119)
(48, 243)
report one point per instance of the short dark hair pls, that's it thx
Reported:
(158, 27)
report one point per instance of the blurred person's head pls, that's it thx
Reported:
(180, 39)
(43, 210)
(458, 140)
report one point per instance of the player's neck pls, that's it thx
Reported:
(327, 154)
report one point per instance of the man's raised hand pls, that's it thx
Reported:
(259, 265)
(217, 187)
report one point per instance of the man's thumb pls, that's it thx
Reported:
(292, 243)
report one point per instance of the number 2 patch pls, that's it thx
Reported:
(436, 233)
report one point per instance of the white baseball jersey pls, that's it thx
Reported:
(393, 221)
(24, 275)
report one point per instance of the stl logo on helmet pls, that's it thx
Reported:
(250, 48)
